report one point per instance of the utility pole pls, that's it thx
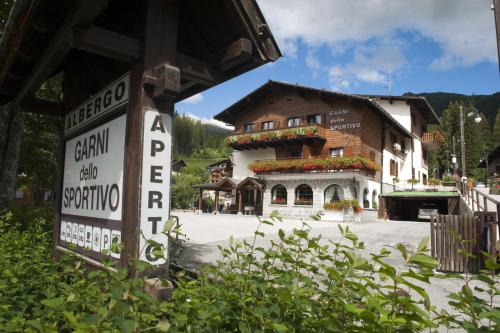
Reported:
(462, 138)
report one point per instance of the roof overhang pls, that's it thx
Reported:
(217, 40)
(418, 102)
(230, 114)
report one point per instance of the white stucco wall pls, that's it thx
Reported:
(370, 185)
(242, 159)
(399, 110)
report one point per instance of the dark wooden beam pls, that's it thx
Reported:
(41, 106)
(238, 52)
(82, 13)
(197, 71)
(108, 44)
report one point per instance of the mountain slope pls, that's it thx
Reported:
(487, 104)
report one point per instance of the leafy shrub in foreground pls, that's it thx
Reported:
(38, 294)
(299, 283)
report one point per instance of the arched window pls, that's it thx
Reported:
(303, 195)
(366, 203)
(279, 195)
(333, 193)
(374, 200)
(354, 192)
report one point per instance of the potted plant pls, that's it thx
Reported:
(495, 186)
(395, 180)
(434, 182)
(412, 181)
(336, 211)
(450, 180)
(278, 201)
(303, 202)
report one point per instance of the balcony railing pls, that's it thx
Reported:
(273, 138)
(432, 140)
(314, 164)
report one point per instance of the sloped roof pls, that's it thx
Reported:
(418, 102)
(229, 114)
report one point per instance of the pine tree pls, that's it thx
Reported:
(477, 138)
(496, 132)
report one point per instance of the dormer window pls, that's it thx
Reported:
(249, 128)
(293, 122)
(314, 119)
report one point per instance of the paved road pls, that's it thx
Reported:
(205, 232)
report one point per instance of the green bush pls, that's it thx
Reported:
(300, 283)
(38, 294)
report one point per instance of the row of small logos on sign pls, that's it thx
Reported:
(90, 238)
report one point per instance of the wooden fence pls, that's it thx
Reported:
(452, 235)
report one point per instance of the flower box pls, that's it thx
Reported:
(322, 164)
(278, 201)
(267, 136)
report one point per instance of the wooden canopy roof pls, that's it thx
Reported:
(217, 40)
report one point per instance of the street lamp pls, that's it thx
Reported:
(477, 119)
(485, 159)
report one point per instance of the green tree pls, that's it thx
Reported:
(496, 132)
(475, 135)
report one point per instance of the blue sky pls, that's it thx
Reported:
(358, 46)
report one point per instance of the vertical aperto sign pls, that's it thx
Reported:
(155, 186)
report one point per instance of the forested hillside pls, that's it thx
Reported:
(486, 104)
(194, 139)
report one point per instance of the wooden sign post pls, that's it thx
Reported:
(125, 64)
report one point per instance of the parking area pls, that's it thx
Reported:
(205, 232)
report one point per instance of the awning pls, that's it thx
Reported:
(421, 194)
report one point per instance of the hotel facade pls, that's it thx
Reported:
(301, 150)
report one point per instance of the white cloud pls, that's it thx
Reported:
(210, 121)
(463, 29)
(195, 99)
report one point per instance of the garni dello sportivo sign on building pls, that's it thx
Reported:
(340, 119)
(92, 192)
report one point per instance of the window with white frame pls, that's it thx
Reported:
(303, 195)
(250, 128)
(294, 121)
(314, 119)
(337, 152)
(267, 125)
(279, 195)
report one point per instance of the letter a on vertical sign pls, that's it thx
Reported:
(155, 192)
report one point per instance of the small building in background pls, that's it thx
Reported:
(220, 169)
(177, 166)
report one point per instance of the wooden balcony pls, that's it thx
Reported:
(314, 165)
(275, 138)
(432, 140)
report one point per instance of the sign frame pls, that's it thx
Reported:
(93, 255)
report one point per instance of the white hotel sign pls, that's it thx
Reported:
(94, 184)
(93, 172)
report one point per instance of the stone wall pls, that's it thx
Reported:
(318, 186)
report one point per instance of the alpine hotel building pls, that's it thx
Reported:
(297, 148)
